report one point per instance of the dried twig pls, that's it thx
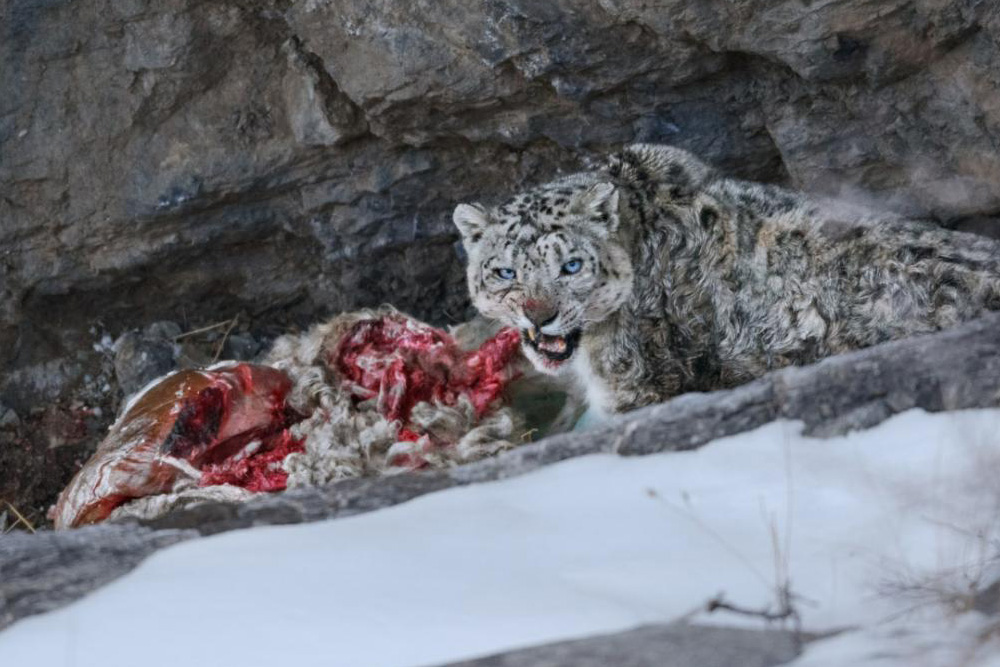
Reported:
(786, 610)
(722, 541)
(225, 336)
(199, 330)
(21, 519)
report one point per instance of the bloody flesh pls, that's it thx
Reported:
(230, 424)
(260, 471)
(191, 417)
(400, 363)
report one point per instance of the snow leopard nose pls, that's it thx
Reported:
(540, 313)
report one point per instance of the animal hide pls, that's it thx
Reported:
(366, 393)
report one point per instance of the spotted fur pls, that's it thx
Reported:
(692, 281)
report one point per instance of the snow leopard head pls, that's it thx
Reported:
(548, 262)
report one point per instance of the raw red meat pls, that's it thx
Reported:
(259, 471)
(199, 418)
(401, 362)
(203, 422)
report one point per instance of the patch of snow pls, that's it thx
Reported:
(934, 640)
(591, 545)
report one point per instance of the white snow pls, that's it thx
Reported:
(933, 640)
(596, 544)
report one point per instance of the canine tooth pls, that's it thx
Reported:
(531, 335)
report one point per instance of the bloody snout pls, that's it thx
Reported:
(540, 312)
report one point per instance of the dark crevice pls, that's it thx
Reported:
(340, 110)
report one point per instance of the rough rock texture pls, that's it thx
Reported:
(188, 160)
(676, 645)
(48, 570)
(953, 370)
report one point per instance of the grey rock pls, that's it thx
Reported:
(163, 330)
(675, 645)
(188, 161)
(985, 596)
(345, 498)
(241, 346)
(987, 601)
(47, 570)
(8, 418)
(141, 358)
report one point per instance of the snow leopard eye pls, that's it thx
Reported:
(505, 273)
(572, 266)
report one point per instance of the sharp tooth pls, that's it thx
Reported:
(531, 335)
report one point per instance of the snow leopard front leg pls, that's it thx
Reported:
(617, 374)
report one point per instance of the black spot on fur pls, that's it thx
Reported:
(679, 175)
(992, 301)
(949, 279)
(708, 216)
(705, 370)
(915, 253)
(785, 203)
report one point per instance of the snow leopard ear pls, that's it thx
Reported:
(471, 220)
(600, 202)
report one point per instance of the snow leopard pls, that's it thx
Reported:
(654, 275)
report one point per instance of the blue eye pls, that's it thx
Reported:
(572, 266)
(506, 274)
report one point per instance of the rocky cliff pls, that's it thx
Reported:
(189, 161)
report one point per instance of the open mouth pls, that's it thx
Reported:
(553, 348)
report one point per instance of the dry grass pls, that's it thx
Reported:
(784, 607)
(205, 329)
(11, 518)
(958, 579)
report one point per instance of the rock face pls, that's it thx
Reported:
(187, 161)
(676, 645)
(49, 570)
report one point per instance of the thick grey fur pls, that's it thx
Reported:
(694, 281)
